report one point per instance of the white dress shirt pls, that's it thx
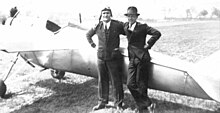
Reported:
(107, 24)
(132, 26)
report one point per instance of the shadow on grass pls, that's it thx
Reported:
(80, 98)
(170, 107)
(166, 106)
(67, 97)
(8, 95)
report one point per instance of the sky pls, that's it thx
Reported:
(147, 8)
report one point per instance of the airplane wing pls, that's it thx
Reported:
(16, 39)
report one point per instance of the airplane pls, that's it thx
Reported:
(65, 49)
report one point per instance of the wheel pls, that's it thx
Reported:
(2, 88)
(57, 74)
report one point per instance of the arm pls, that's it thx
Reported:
(89, 36)
(122, 28)
(155, 35)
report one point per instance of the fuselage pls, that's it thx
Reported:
(167, 74)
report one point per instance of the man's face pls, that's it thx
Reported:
(132, 18)
(106, 16)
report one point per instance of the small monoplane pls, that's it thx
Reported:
(66, 50)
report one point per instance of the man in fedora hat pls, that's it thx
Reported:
(139, 58)
(109, 58)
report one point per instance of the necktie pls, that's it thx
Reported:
(130, 27)
(106, 27)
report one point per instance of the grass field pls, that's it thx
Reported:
(30, 91)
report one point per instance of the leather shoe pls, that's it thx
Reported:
(151, 108)
(119, 109)
(99, 106)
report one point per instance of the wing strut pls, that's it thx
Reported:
(14, 62)
(3, 87)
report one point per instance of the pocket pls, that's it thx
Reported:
(100, 54)
(146, 56)
(116, 54)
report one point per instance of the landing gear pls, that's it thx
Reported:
(3, 87)
(57, 74)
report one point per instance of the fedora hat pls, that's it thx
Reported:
(132, 11)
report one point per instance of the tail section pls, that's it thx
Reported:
(201, 80)
(207, 74)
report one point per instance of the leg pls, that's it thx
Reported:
(143, 73)
(115, 71)
(138, 82)
(131, 80)
(103, 85)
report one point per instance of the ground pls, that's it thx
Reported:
(31, 91)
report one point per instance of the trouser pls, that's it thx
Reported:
(110, 70)
(137, 81)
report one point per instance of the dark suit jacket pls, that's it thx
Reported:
(137, 40)
(108, 40)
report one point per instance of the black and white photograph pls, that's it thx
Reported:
(109, 56)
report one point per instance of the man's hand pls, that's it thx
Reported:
(93, 45)
(147, 46)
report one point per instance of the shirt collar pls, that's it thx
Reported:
(132, 26)
(107, 24)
